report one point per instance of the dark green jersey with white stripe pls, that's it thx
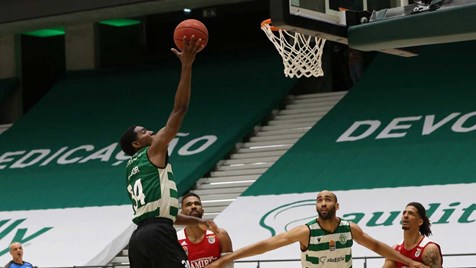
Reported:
(328, 249)
(152, 190)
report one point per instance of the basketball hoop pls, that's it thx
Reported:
(301, 54)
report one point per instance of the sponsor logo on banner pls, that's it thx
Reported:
(374, 219)
(21, 234)
(94, 234)
(398, 127)
(111, 154)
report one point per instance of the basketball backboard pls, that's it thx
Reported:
(309, 17)
(390, 26)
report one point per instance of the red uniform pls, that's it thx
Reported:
(415, 253)
(202, 253)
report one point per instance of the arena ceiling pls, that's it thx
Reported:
(19, 16)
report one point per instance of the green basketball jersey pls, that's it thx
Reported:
(152, 190)
(328, 249)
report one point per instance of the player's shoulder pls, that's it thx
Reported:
(12, 264)
(353, 225)
(222, 231)
(432, 246)
(221, 234)
(301, 229)
(343, 222)
(427, 242)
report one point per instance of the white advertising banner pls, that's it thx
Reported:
(67, 237)
(452, 210)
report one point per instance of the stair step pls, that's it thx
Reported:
(277, 147)
(120, 259)
(259, 154)
(264, 132)
(210, 216)
(269, 144)
(224, 173)
(310, 121)
(288, 126)
(276, 137)
(301, 111)
(217, 202)
(245, 166)
(228, 190)
(213, 198)
(224, 185)
(321, 105)
(252, 160)
(228, 179)
(319, 95)
(216, 209)
(313, 115)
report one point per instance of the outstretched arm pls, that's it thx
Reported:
(190, 220)
(381, 248)
(388, 264)
(297, 234)
(158, 150)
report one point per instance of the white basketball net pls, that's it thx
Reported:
(301, 54)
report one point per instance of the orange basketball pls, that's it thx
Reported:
(188, 28)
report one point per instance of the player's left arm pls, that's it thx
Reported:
(226, 246)
(388, 264)
(225, 241)
(432, 256)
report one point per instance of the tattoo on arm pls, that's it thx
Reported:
(432, 258)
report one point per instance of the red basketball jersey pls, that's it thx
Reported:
(202, 253)
(416, 253)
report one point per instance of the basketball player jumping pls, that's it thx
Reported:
(150, 181)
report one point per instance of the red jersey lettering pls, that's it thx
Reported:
(203, 253)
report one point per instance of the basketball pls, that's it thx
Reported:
(188, 28)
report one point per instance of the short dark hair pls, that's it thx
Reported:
(190, 194)
(425, 228)
(127, 138)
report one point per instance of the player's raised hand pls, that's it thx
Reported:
(190, 49)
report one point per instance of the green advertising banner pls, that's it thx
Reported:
(408, 122)
(64, 151)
